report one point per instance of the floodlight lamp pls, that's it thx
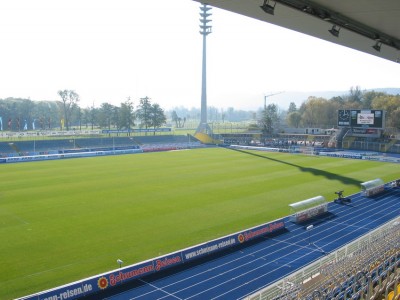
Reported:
(268, 8)
(377, 46)
(334, 31)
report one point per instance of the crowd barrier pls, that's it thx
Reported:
(267, 149)
(66, 155)
(363, 156)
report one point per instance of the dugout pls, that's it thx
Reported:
(372, 187)
(304, 210)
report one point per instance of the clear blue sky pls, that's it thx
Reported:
(108, 50)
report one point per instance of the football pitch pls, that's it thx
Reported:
(65, 220)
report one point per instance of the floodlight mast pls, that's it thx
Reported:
(205, 29)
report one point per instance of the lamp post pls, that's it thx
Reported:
(120, 262)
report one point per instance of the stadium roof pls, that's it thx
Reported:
(369, 26)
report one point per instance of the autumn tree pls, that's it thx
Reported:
(390, 104)
(293, 119)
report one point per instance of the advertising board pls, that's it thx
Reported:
(113, 278)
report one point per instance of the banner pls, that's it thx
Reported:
(104, 281)
(66, 155)
(54, 133)
(137, 130)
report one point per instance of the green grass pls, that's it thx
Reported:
(64, 220)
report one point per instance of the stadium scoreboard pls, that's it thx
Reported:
(358, 118)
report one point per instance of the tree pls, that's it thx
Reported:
(174, 117)
(105, 115)
(293, 119)
(126, 115)
(116, 116)
(355, 97)
(74, 118)
(157, 116)
(86, 116)
(292, 107)
(337, 99)
(388, 103)
(92, 116)
(143, 112)
(69, 98)
(270, 119)
(368, 97)
(395, 120)
(315, 112)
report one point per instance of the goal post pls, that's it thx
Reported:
(307, 150)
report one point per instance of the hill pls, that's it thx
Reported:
(283, 100)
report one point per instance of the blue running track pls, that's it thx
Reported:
(239, 272)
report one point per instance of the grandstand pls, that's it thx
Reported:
(72, 144)
(304, 143)
(381, 145)
(366, 269)
(365, 274)
(166, 142)
(5, 148)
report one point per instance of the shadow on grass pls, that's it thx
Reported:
(314, 171)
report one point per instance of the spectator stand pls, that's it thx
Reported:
(366, 269)
(305, 210)
(372, 187)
